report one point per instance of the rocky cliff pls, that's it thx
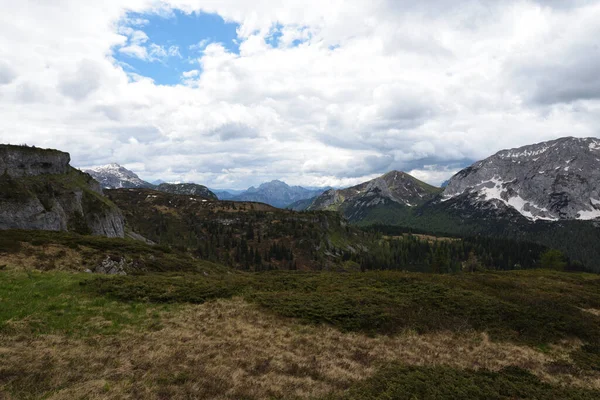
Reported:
(554, 180)
(19, 161)
(39, 190)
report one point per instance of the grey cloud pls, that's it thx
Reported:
(235, 131)
(83, 82)
(565, 69)
(112, 112)
(29, 93)
(142, 133)
(564, 83)
(7, 74)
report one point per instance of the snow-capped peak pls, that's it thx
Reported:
(114, 176)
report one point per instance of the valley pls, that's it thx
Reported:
(389, 289)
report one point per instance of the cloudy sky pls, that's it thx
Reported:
(231, 93)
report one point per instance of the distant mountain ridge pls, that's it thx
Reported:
(114, 176)
(277, 193)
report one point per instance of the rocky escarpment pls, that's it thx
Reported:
(39, 190)
(19, 161)
(554, 180)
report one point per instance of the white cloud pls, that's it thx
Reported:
(201, 45)
(351, 90)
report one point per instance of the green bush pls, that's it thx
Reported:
(526, 307)
(440, 383)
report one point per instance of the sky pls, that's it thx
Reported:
(232, 93)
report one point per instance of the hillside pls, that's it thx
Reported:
(246, 235)
(40, 190)
(526, 335)
(396, 190)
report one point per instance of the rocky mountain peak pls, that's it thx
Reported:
(553, 180)
(394, 187)
(114, 176)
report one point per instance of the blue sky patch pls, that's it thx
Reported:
(163, 47)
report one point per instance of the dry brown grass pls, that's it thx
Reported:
(593, 311)
(48, 257)
(229, 349)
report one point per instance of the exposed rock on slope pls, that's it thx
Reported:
(19, 161)
(392, 189)
(40, 190)
(190, 189)
(554, 180)
(114, 176)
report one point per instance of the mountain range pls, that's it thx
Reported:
(114, 176)
(275, 193)
(546, 193)
(551, 181)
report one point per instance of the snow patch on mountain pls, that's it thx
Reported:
(114, 176)
(534, 180)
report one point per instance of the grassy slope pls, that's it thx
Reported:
(82, 336)
(577, 239)
(78, 336)
(68, 251)
(531, 307)
(214, 229)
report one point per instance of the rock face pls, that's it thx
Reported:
(554, 180)
(19, 161)
(41, 191)
(190, 189)
(113, 176)
(396, 188)
(112, 266)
